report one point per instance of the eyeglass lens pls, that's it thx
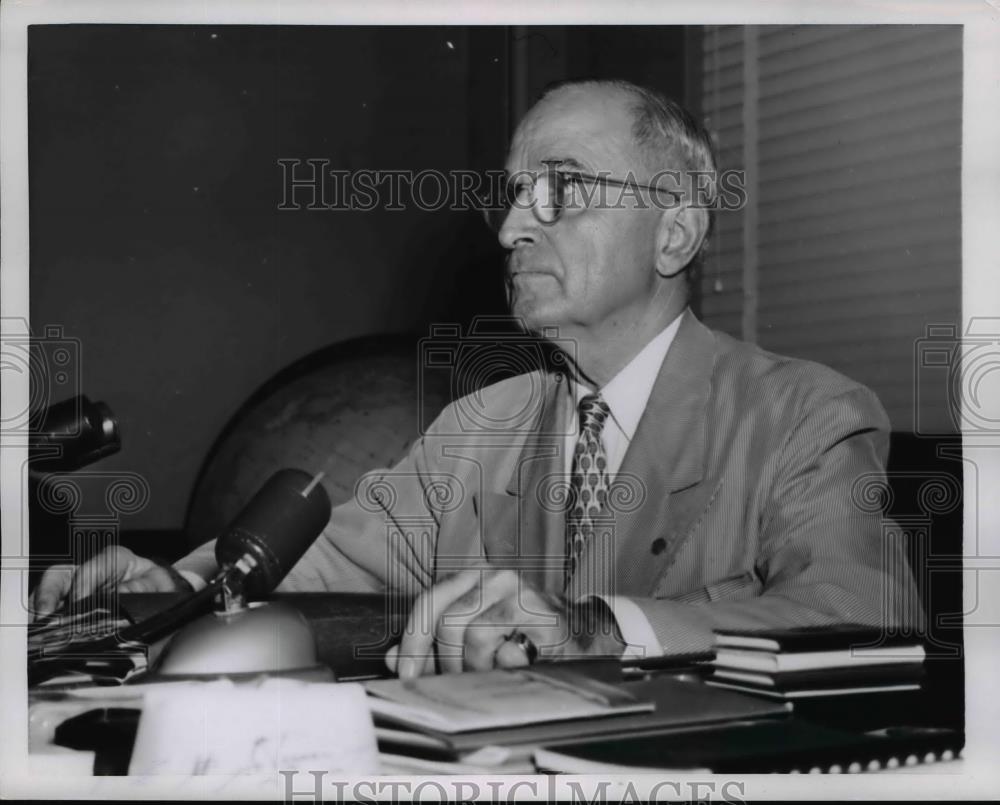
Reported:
(545, 196)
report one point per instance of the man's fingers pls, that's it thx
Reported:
(416, 649)
(392, 658)
(142, 584)
(482, 642)
(392, 662)
(86, 578)
(111, 566)
(158, 579)
(468, 633)
(509, 655)
(537, 618)
(51, 590)
(450, 632)
(107, 569)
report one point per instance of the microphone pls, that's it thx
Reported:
(274, 530)
(255, 552)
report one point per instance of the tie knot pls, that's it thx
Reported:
(593, 413)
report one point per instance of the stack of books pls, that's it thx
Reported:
(811, 662)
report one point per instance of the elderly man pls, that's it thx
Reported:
(669, 481)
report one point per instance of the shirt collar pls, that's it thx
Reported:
(628, 391)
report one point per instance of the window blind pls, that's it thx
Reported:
(849, 247)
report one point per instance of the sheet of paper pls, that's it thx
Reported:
(222, 727)
(58, 761)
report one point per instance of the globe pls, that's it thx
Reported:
(344, 410)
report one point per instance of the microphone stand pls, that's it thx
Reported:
(251, 553)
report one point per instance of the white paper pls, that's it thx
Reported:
(222, 727)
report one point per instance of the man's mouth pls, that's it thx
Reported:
(521, 270)
(526, 269)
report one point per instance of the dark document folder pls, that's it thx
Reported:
(788, 746)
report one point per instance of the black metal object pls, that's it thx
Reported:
(72, 434)
(275, 528)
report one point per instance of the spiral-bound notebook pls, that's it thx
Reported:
(792, 746)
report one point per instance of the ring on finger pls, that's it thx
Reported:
(525, 644)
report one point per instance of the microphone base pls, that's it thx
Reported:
(260, 638)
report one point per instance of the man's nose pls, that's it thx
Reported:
(519, 228)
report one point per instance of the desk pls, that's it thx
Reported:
(353, 631)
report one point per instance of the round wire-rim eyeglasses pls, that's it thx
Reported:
(551, 194)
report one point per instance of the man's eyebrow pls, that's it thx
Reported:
(561, 162)
(566, 162)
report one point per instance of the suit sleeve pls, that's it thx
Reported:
(383, 538)
(823, 558)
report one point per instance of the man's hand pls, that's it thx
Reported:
(113, 568)
(465, 622)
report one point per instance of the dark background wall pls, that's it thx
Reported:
(156, 238)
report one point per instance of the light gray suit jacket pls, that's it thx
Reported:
(740, 502)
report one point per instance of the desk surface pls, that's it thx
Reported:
(354, 630)
(344, 622)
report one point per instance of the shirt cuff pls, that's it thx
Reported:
(192, 578)
(637, 631)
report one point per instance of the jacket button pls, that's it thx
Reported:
(659, 546)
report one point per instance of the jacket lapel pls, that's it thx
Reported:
(659, 489)
(535, 490)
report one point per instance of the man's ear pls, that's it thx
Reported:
(679, 235)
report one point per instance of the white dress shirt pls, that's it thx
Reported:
(626, 395)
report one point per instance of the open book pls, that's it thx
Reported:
(679, 702)
(503, 698)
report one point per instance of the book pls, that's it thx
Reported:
(766, 747)
(498, 698)
(813, 638)
(814, 661)
(393, 764)
(806, 693)
(769, 662)
(825, 677)
(668, 662)
(680, 702)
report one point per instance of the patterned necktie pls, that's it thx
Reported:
(588, 481)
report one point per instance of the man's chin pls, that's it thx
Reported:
(535, 316)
